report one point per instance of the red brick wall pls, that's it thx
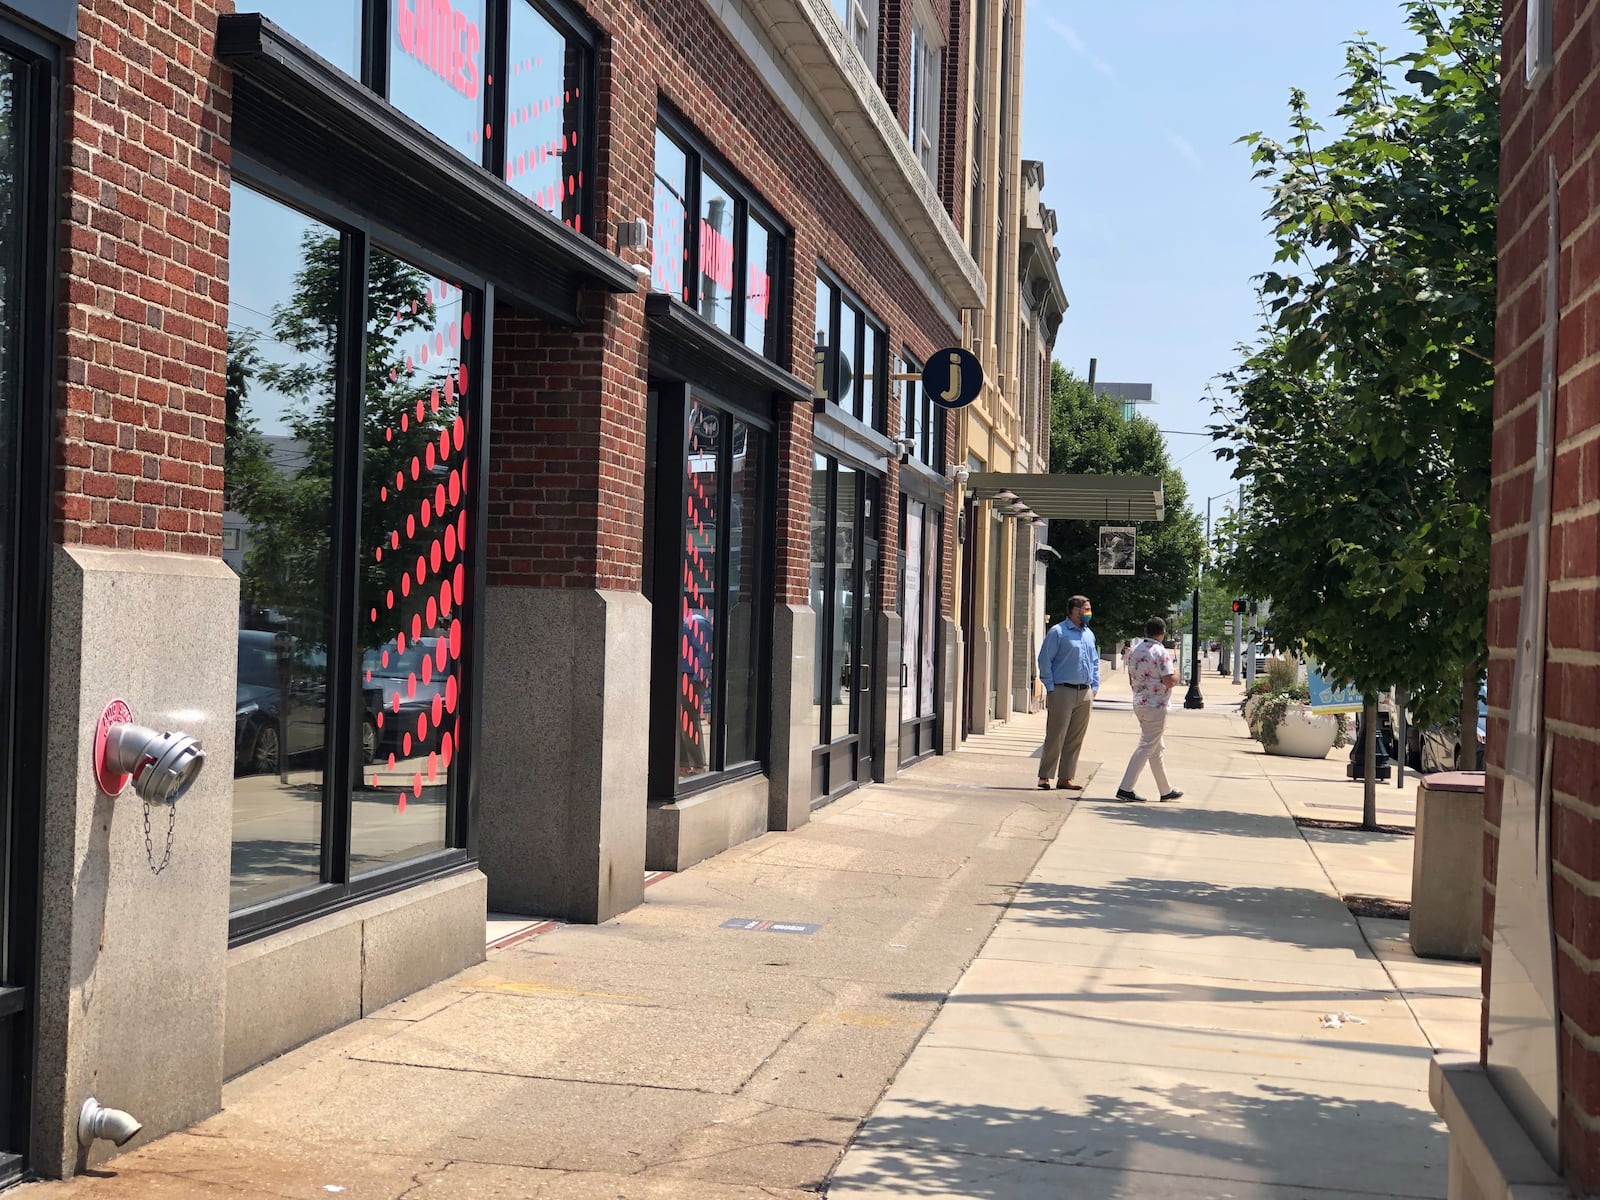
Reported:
(1559, 118)
(681, 52)
(144, 300)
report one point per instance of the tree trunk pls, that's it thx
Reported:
(1467, 758)
(1369, 763)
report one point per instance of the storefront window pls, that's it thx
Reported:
(712, 595)
(414, 539)
(278, 498)
(852, 343)
(717, 219)
(544, 114)
(759, 329)
(911, 517)
(746, 552)
(820, 553)
(332, 30)
(349, 735)
(670, 255)
(436, 69)
(735, 253)
(921, 419)
(848, 485)
(697, 652)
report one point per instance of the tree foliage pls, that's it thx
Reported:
(1090, 436)
(1361, 421)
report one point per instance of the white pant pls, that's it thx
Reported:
(1152, 725)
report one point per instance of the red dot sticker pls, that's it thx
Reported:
(405, 745)
(427, 668)
(422, 568)
(384, 658)
(458, 433)
(433, 767)
(455, 639)
(444, 444)
(428, 456)
(460, 581)
(438, 703)
(446, 750)
(438, 499)
(379, 554)
(388, 600)
(394, 539)
(405, 422)
(444, 597)
(416, 785)
(380, 711)
(400, 643)
(374, 615)
(434, 554)
(416, 466)
(411, 687)
(416, 627)
(455, 487)
(433, 612)
(421, 411)
(399, 481)
(451, 693)
(411, 528)
(450, 544)
(466, 325)
(391, 762)
(427, 507)
(422, 726)
(405, 585)
(383, 493)
(440, 650)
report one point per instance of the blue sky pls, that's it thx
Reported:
(1134, 108)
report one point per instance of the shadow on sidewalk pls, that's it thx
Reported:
(1265, 1133)
(1189, 908)
(1212, 822)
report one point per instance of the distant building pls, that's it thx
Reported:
(1132, 395)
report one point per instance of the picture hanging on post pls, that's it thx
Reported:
(1116, 550)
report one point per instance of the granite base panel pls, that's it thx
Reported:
(290, 987)
(688, 831)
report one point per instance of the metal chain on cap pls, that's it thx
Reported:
(149, 848)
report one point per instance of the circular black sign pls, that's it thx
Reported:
(953, 377)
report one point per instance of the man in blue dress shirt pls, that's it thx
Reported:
(1069, 669)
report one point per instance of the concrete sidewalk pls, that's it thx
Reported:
(1178, 1003)
(1147, 1018)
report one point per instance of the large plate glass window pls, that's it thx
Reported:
(435, 61)
(708, 565)
(921, 579)
(704, 217)
(348, 485)
(850, 345)
(844, 597)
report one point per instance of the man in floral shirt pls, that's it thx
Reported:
(1153, 674)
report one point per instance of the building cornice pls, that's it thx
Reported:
(852, 126)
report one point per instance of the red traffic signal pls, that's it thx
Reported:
(1238, 606)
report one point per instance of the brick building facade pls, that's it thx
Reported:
(513, 403)
(1529, 1112)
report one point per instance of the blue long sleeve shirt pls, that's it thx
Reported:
(1069, 655)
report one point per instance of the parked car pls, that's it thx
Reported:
(1438, 747)
(391, 676)
(281, 698)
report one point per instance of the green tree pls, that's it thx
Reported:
(1361, 422)
(1090, 436)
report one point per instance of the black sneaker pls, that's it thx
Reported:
(1174, 794)
(1124, 794)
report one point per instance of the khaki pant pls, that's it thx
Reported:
(1152, 726)
(1064, 731)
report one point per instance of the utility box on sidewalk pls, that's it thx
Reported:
(1447, 867)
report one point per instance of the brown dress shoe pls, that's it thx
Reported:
(1070, 785)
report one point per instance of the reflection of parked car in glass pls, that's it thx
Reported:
(282, 699)
(416, 678)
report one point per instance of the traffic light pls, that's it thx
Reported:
(1238, 606)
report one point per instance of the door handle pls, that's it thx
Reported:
(905, 674)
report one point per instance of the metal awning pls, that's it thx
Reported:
(1077, 497)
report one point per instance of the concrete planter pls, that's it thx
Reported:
(1305, 734)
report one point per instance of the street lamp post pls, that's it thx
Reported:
(1194, 699)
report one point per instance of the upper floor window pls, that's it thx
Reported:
(435, 63)
(921, 420)
(860, 21)
(927, 59)
(705, 218)
(851, 347)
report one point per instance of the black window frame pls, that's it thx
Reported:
(337, 889)
(922, 422)
(668, 435)
(828, 352)
(701, 160)
(37, 131)
(376, 16)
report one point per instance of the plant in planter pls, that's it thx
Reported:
(1285, 724)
